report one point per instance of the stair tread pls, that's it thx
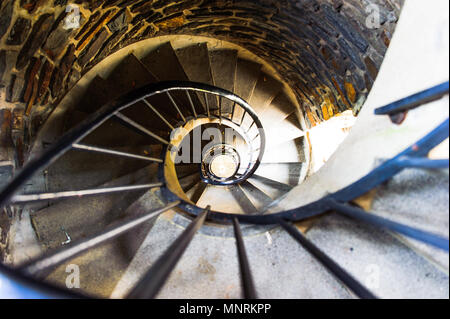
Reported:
(183, 170)
(196, 64)
(247, 74)
(272, 188)
(128, 75)
(96, 95)
(210, 269)
(285, 173)
(241, 197)
(132, 74)
(78, 169)
(189, 181)
(280, 108)
(280, 132)
(164, 64)
(168, 70)
(223, 69)
(266, 89)
(259, 199)
(417, 198)
(287, 152)
(196, 192)
(97, 277)
(112, 133)
(6, 172)
(227, 202)
(364, 251)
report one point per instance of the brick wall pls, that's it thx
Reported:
(322, 48)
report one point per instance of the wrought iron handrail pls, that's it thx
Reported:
(413, 156)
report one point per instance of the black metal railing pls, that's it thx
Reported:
(148, 287)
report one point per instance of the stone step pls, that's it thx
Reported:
(79, 169)
(84, 216)
(274, 189)
(286, 152)
(163, 63)
(223, 69)
(102, 267)
(286, 173)
(377, 259)
(196, 64)
(418, 198)
(247, 74)
(266, 89)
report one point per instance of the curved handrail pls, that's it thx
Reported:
(334, 201)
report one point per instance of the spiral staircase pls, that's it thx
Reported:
(186, 173)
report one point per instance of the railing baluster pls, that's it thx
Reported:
(220, 109)
(381, 222)
(176, 106)
(326, 261)
(140, 127)
(113, 152)
(253, 139)
(248, 286)
(158, 114)
(42, 265)
(232, 111)
(250, 127)
(86, 192)
(191, 103)
(155, 278)
(207, 105)
(242, 118)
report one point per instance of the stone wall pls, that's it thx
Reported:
(322, 48)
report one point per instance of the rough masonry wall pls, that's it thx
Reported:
(322, 48)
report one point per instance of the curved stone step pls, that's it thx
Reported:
(420, 199)
(266, 89)
(196, 192)
(79, 169)
(378, 259)
(282, 131)
(227, 202)
(259, 199)
(286, 152)
(223, 69)
(163, 63)
(279, 109)
(102, 267)
(286, 173)
(84, 216)
(195, 62)
(272, 188)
